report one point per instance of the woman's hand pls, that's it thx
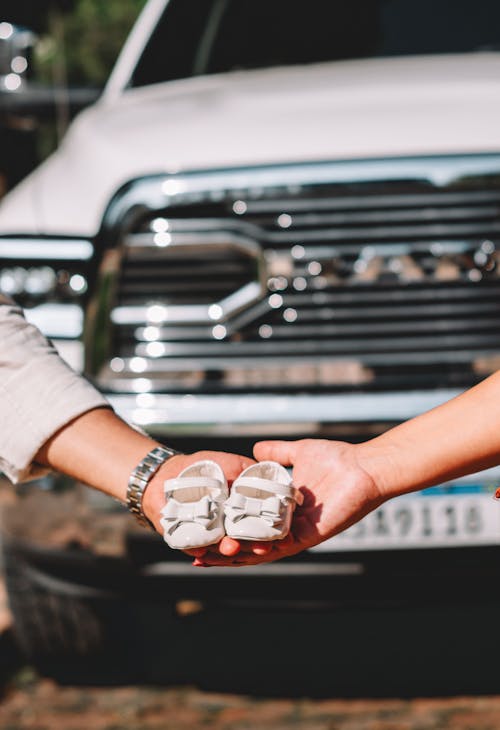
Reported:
(338, 491)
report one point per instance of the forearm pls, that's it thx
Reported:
(97, 448)
(101, 450)
(457, 438)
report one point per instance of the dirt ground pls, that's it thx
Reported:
(33, 704)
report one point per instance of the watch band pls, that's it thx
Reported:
(140, 478)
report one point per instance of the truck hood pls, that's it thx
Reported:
(357, 109)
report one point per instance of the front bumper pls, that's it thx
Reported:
(214, 413)
(147, 572)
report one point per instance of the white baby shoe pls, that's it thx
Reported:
(261, 503)
(193, 515)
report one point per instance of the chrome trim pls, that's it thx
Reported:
(46, 249)
(192, 240)
(440, 171)
(216, 356)
(241, 232)
(202, 410)
(211, 312)
(232, 304)
(189, 313)
(373, 249)
(159, 191)
(159, 313)
(153, 369)
(379, 200)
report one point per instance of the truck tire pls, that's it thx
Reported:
(62, 636)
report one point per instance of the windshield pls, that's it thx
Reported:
(213, 36)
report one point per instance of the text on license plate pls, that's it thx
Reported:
(421, 520)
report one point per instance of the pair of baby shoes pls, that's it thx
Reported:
(200, 511)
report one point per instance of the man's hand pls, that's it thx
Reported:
(338, 491)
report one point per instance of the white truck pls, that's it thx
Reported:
(280, 220)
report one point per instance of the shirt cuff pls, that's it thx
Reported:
(38, 400)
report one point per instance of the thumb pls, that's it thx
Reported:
(281, 451)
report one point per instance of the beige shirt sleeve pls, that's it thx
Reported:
(39, 393)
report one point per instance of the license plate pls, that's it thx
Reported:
(455, 514)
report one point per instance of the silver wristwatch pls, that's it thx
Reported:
(140, 478)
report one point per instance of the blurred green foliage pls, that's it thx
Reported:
(81, 46)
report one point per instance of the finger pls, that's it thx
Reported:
(260, 548)
(229, 547)
(280, 451)
(245, 546)
(270, 551)
(241, 560)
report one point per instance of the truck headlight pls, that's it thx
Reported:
(40, 270)
(36, 281)
(49, 278)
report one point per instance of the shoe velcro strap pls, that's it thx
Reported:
(172, 485)
(268, 485)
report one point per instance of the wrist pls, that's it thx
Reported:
(153, 498)
(380, 461)
(140, 479)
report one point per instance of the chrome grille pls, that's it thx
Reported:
(407, 216)
(395, 278)
(181, 277)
